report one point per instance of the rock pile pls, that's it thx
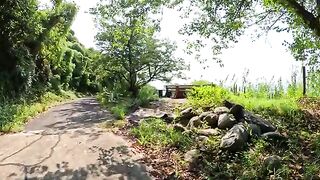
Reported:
(240, 125)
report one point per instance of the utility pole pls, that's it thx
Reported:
(304, 79)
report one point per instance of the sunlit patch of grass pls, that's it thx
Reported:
(111, 124)
(156, 133)
(207, 96)
(265, 106)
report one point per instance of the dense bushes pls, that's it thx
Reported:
(207, 96)
(38, 54)
(146, 94)
(39, 49)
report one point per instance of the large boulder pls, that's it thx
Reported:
(228, 104)
(191, 155)
(179, 128)
(209, 132)
(187, 113)
(254, 130)
(195, 122)
(235, 139)
(204, 114)
(226, 121)
(275, 136)
(211, 119)
(185, 116)
(221, 110)
(264, 125)
(168, 118)
(237, 111)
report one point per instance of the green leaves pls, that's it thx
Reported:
(132, 54)
(224, 21)
(37, 48)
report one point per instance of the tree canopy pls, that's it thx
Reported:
(132, 54)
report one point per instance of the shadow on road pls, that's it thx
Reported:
(76, 123)
(83, 113)
(106, 166)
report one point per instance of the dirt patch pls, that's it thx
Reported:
(155, 109)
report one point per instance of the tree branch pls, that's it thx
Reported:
(309, 19)
(266, 14)
(275, 22)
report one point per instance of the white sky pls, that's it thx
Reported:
(264, 58)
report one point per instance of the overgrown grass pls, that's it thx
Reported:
(119, 108)
(210, 96)
(156, 133)
(14, 114)
(276, 107)
(207, 96)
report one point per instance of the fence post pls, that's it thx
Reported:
(304, 80)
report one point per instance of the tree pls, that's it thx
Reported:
(225, 20)
(31, 40)
(131, 53)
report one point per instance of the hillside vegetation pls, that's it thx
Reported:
(291, 115)
(41, 59)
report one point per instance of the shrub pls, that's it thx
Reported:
(119, 111)
(146, 95)
(207, 96)
(294, 92)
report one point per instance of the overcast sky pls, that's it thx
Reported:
(265, 58)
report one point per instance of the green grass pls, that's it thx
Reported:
(210, 96)
(207, 96)
(14, 114)
(119, 108)
(156, 133)
(119, 111)
(279, 107)
(111, 124)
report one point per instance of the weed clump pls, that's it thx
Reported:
(156, 133)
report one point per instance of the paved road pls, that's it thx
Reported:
(66, 143)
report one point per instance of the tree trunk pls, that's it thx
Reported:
(134, 90)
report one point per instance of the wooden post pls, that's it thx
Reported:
(176, 96)
(304, 80)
